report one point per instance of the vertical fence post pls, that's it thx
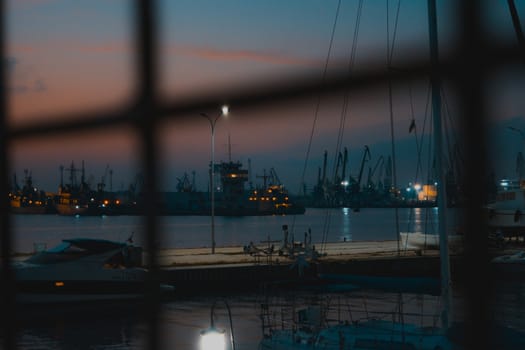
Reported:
(7, 305)
(146, 54)
(471, 78)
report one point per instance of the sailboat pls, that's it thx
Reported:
(382, 334)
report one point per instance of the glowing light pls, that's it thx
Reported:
(213, 339)
(417, 187)
(225, 110)
(59, 284)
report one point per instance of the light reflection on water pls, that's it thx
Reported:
(182, 320)
(328, 225)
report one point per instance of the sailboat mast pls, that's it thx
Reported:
(436, 111)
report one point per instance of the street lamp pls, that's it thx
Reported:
(213, 121)
(213, 338)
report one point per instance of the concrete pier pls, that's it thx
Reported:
(339, 251)
(196, 270)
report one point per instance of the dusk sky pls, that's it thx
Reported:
(70, 56)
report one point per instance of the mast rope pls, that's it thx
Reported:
(316, 113)
(390, 55)
(343, 116)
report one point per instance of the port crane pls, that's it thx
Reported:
(356, 186)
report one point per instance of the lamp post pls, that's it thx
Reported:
(213, 338)
(213, 121)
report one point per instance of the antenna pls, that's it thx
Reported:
(229, 148)
(250, 173)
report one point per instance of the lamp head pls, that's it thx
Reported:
(225, 110)
(213, 339)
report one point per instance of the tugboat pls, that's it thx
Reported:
(273, 197)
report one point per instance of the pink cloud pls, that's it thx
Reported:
(243, 55)
(28, 3)
(17, 49)
(111, 47)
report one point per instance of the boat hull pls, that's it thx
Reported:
(507, 222)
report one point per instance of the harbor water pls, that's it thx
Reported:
(325, 225)
(182, 319)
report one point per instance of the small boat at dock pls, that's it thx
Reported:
(81, 270)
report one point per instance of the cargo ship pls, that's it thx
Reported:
(231, 196)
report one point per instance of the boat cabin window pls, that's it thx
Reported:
(63, 247)
(63, 252)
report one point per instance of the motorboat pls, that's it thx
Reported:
(83, 269)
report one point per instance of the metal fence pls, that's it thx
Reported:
(472, 61)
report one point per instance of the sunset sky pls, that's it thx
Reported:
(67, 56)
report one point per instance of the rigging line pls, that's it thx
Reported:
(390, 102)
(350, 66)
(452, 129)
(517, 26)
(316, 113)
(431, 176)
(346, 98)
(343, 116)
(351, 63)
(420, 145)
(451, 134)
(394, 34)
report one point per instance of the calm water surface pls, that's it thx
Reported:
(328, 225)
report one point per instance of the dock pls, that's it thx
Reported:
(339, 251)
(196, 270)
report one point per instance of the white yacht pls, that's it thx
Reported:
(507, 213)
(82, 269)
